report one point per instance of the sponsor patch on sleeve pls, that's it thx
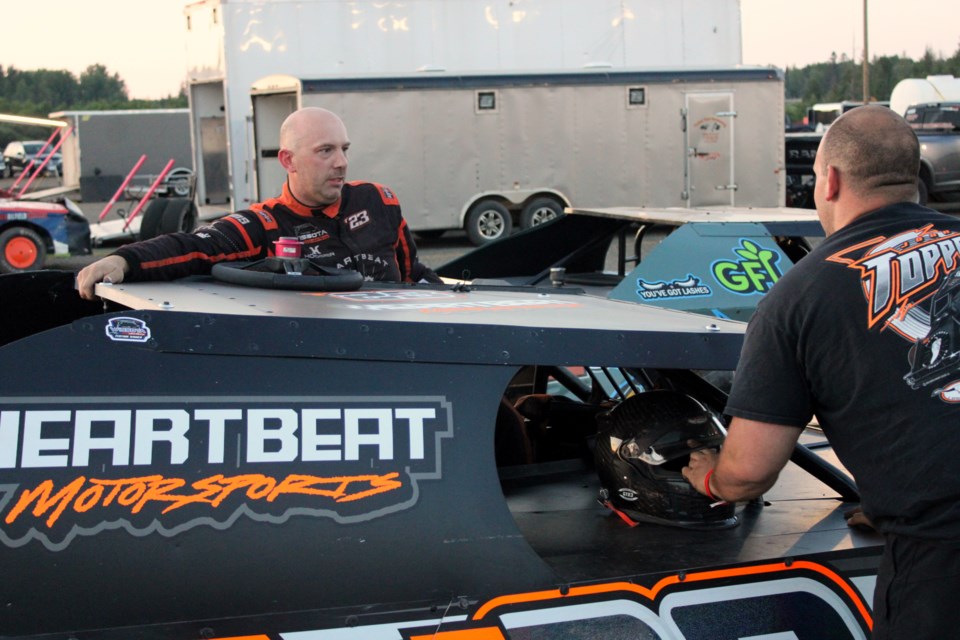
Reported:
(387, 194)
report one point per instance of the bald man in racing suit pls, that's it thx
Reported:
(355, 225)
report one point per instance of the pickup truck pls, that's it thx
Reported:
(938, 127)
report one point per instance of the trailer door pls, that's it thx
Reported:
(708, 140)
(269, 112)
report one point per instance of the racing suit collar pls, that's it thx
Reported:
(291, 202)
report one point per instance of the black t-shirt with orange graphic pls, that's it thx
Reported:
(363, 231)
(864, 333)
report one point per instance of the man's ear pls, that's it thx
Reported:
(833, 183)
(285, 156)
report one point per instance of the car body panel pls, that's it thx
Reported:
(286, 464)
(714, 261)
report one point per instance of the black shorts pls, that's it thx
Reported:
(917, 590)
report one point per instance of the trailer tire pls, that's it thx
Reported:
(152, 217)
(180, 214)
(178, 182)
(21, 249)
(488, 220)
(538, 211)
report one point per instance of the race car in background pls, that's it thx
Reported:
(31, 230)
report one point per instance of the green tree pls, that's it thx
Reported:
(97, 85)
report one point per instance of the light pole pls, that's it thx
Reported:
(866, 58)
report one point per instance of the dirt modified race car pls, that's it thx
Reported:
(29, 231)
(219, 460)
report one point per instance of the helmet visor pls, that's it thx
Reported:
(674, 443)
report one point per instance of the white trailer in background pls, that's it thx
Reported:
(233, 43)
(911, 91)
(485, 152)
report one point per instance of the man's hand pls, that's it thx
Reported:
(110, 269)
(857, 519)
(753, 455)
(700, 463)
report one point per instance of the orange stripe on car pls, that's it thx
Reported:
(651, 593)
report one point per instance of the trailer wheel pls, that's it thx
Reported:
(21, 249)
(168, 215)
(178, 182)
(539, 211)
(180, 214)
(487, 221)
(152, 218)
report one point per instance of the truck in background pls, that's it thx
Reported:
(937, 125)
(488, 152)
(232, 44)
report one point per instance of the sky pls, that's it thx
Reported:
(143, 40)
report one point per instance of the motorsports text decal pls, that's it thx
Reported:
(912, 285)
(72, 467)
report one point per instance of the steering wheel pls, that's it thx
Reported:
(290, 274)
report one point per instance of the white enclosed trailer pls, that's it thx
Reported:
(911, 91)
(485, 152)
(233, 43)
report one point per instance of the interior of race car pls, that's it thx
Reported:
(546, 428)
(549, 414)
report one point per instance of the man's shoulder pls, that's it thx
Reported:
(373, 190)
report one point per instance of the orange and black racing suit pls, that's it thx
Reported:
(364, 231)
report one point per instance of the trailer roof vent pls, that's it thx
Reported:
(636, 97)
(486, 102)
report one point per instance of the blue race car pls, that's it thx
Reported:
(31, 230)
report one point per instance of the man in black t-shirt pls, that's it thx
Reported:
(863, 334)
(348, 225)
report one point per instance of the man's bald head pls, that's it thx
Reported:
(876, 151)
(306, 122)
(313, 151)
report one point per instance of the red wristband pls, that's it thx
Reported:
(706, 486)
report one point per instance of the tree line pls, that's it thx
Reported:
(841, 79)
(44, 91)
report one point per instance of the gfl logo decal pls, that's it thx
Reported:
(755, 272)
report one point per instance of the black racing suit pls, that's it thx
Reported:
(364, 231)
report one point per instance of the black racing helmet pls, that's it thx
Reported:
(642, 446)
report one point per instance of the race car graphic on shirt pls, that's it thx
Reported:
(910, 283)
